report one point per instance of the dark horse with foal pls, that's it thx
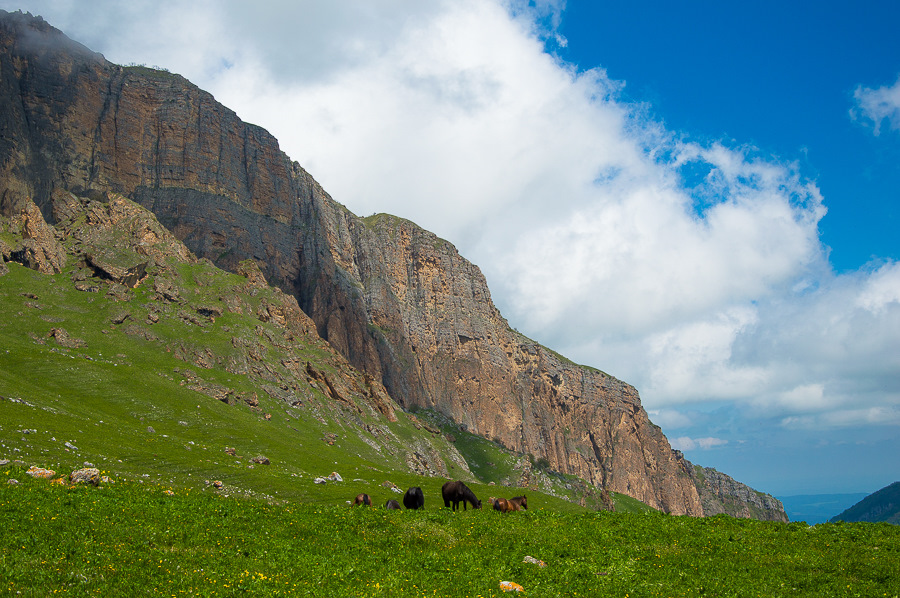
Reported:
(457, 492)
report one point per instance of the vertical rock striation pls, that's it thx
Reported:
(395, 300)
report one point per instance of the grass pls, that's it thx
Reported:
(128, 538)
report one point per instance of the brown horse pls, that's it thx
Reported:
(457, 492)
(503, 505)
(508, 506)
(362, 499)
(522, 501)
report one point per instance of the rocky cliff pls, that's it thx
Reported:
(720, 493)
(395, 300)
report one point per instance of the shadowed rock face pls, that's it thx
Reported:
(395, 300)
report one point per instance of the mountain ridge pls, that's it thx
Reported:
(395, 300)
(818, 508)
(882, 505)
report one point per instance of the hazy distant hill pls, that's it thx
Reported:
(818, 508)
(883, 505)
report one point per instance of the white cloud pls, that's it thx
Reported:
(685, 443)
(299, 40)
(880, 290)
(875, 106)
(805, 397)
(694, 361)
(461, 120)
(871, 416)
(642, 235)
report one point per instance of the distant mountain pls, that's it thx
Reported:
(818, 508)
(883, 505)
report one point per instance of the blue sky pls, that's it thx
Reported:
(777, 75)
(697, 198)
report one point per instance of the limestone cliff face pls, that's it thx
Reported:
(445, 345)
(395, 300)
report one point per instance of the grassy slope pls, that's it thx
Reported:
(105, 396)
(129, 539)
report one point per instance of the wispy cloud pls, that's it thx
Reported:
(686, 443)
(877, 106)
(872, 416)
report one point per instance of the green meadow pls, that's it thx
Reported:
(133, 539)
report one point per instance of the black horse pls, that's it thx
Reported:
(392, 505)
(457, 492)
(414, 499)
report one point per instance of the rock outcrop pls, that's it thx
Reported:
(720, 493)
(395, 300)
(38, 249)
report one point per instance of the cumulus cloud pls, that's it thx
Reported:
(299, 40)
(877, 106)
(460, 122)
(692, 270)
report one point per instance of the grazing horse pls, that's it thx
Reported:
(362, 499)
(507, 506)
(414, 499)
(522, 501)
(457, 492)
(503, 505)
(392, 505)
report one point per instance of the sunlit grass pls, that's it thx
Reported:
(137, 539)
